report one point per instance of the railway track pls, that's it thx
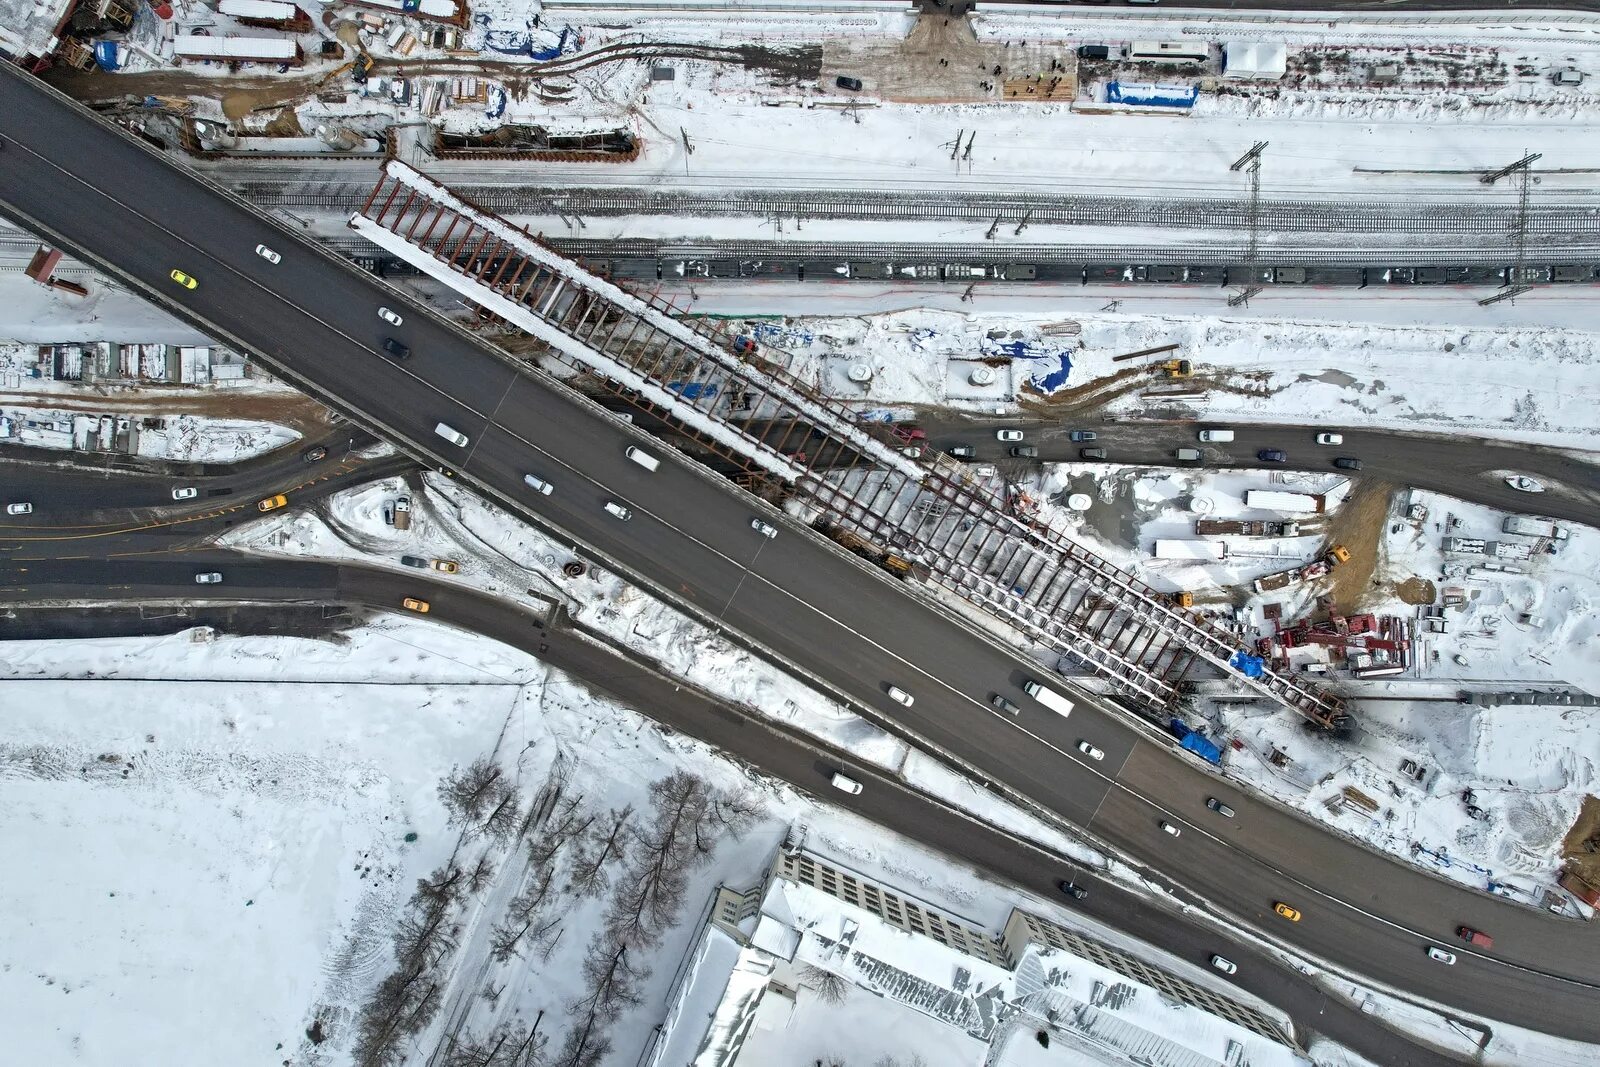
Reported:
(1574, 223)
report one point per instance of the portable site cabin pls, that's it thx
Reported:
(239, 49)
(269, 14)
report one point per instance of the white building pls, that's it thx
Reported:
(1254, 60)
(820, 965)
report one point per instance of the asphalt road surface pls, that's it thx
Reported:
(1468, 468)
(108, 199)
(785, 754)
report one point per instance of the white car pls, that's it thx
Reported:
(1008, 435)
(388, 316)
(268, 254)
(538, 485)
(1089, 750)
(19, 509)
(1226, 966)
(764, 529)
(1523, 483)
(185, 492)
(1169, 828)
(1330, 438)
(618, 510)
(1439, 954)
(208, 578)
(900, 696)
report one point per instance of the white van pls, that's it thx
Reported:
(1216, 436)
(451, 434)
(643, 458)
(849, 785)
(538, 485)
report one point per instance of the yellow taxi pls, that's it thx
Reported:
(1292, 914)
(411, 603)
(184, 280)
(446, 566)
(273, 503)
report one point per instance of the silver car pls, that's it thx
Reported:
(766, 530)
(208, 578)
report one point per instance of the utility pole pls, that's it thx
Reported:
(967, 152)
(1023, 224)
(966, 297)
(955, 147)
(993, 226)
(1517, 275)
(1522, 164)
(1250, 162)
(688, 149)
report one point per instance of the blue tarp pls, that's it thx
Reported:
(106, 55)
(1246, 664)
(1152, 95)
(693, 390)
(1199, 744)
(1050, 381)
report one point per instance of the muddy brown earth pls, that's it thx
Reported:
(942, 61)
(1359, 526)
(1585, 829)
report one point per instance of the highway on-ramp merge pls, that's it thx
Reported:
(116, 203)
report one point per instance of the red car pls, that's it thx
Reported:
(1475, 938)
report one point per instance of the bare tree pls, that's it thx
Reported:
(831, 987)
(613, 980)
(481, 875)
(602, 844)
(508, 1046)
(564, 824)
(440, 886)
(468, 793)
(501, 821)
(586, 1044)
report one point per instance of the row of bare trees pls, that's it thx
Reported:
(688, 817)
(484, 806)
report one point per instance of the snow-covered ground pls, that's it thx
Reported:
(1526, 384)
(200, 807)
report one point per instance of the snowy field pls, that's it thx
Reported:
(200, 808)
(1526, 384)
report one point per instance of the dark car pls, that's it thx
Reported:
(1005, 705)
(1093, 51)
(1272, 455)
(1347, 463)
(415, 561)
(1073, 890)
(961, 451)
(394, 349)
(1219, 807)
(314, 455)
(853, 84)
(1024, 452)
(1079, 436)
(1091, 453)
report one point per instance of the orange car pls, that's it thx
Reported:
(1292, 914)
(411, 603)
(273, 503)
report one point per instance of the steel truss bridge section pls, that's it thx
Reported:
(789, 442)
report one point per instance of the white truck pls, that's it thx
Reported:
(1529, 526)
(1048, 697)
(1172, 548)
